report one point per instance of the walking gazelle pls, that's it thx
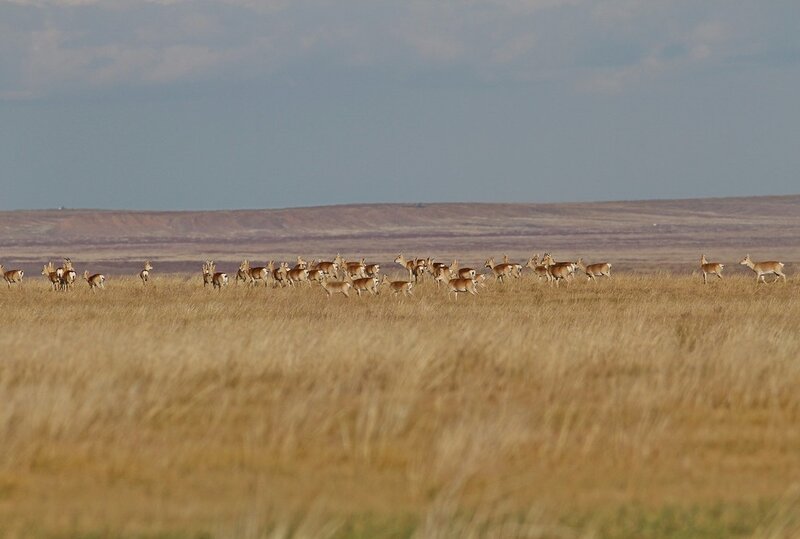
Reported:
(95, 281)
(11, 276)
(762, 269)
(51, 274)
(144, 275)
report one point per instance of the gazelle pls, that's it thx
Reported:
(442, 275)
(762, 269)
(558, 271)
(398, 287)
(540, 270)
(259, 273)
(501, 271)
(95, 281)
(462, 273)
(355, 270)
(278, 274)
(372, 270)
(243, 273)
(11, 276)
(317, 275)
(410, 265)
(336, 287)
(710, 268)
(329, 269)
(50, 273)
(517, 268)
(67, 274)
(366, 284)
(593, 271)
(461, 286)
(297, 275)
(301, 264)
(208, 273)
(144, 275)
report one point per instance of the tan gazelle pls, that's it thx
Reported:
(558, 271)
(95, 281)
(258, 273)
(710, 268)
(11, 276)
(51, 274)
(501, 271)
(593, 271)
(398, 287)
(540, 270)
(336, 287)
(243, 273)
(461, 286)
(144, 275)
(762, 269)
(366, 284)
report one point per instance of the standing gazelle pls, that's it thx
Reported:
(503, 270)
(336, 287)
(11, 276)
(710, 268)
(50, 273)
(762, 269)
(95, 281)
(211, 276)
(144, 275)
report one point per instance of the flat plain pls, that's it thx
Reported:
(644, 406)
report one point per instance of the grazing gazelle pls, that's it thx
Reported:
(95, 281)
(501, 271)
(334, 287)
(460, 286)
(762, 269)
(51, 274)
(398, 287)
(144, 275)
(11, 276)
(367, 284)
(710, 268)
(593, 271)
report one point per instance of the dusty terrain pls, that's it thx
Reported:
(635, 236)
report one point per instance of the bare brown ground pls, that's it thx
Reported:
(635, 236)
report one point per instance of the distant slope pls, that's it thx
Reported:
(637, 234)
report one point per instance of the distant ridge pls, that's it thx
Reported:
(633, 232)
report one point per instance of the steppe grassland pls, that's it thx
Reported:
(637, 407)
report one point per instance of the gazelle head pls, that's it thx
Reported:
(746, 261)
(489, 263)
(48, 268)
(147, 266)
(301, 264)
(67, 264)
(245, 265)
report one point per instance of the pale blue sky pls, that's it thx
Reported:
(178, 104)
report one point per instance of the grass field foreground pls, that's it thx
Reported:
(637, 407)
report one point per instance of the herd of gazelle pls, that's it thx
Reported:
(340, 276)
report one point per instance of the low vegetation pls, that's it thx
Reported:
(628, 408)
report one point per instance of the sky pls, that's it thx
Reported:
(227, 104)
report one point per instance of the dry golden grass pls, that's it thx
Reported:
(638, 407)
